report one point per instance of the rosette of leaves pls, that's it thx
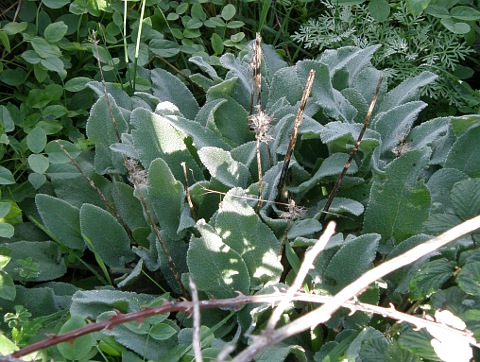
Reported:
(162, 163)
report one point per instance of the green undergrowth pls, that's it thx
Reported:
(176, 188)
(417, 35)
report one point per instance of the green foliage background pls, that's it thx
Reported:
(129, 165)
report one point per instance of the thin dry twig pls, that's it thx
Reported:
(256, 74)
(97, 190)
(132, 166)
(324, 313)
(187, 192)
(196, 340)
(354, 151)
(307, 264)
(282, 188)
(259, 121)
(179, 72)
(276, 297)
(132, 169)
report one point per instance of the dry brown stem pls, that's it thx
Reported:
(354, 151)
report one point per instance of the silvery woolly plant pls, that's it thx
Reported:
(176, 190)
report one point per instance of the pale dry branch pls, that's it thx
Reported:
(176, 306)
(196, 345)
(307, 264)
(324, 313)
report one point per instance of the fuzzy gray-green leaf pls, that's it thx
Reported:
(440, 185)
(334, 104)
(102, 132)
(406, 91)
(216, 268)
(242, 230)
(35, 261)
(224, 168)
(353, 259)
(167, 197)
(61, 219)
(399, 203)
(167, 87)
(109, 239)
(464, 153)
(153, 137)
(231, 120)
(395, 124)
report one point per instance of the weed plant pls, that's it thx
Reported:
(153, 152)
(411, 43)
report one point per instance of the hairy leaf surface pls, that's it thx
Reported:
(399, 203)
(109, 239)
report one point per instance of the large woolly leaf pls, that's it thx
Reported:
(353, 259)
(103, 131)
(224, 168)
(341, 205)
(35, 261)
(166, 195)
(7, 290)
(153, 137)
(334, 104)
(406, 91)
(92, 303)
(464, 153)
(61, 219)
(399, 203)
(103, 304)
(427, 133)
(332, 166)
(336, 130)
(286, 84)
(73, 187)
(281, 352)
(352, 58)
(167, 87)
(394, 124)
(242, 230)
(105, 235)
(119, 95)
(440, 184)
(216, 268)
(201, 135)
(241, 71)
(127, 205)
(271, 62)
(231, 120)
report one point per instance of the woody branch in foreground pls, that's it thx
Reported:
(272, 336)
(322, 314)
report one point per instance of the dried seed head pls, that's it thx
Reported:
(260, 123)
(93, 38)
(294, 211)
(137, 176)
